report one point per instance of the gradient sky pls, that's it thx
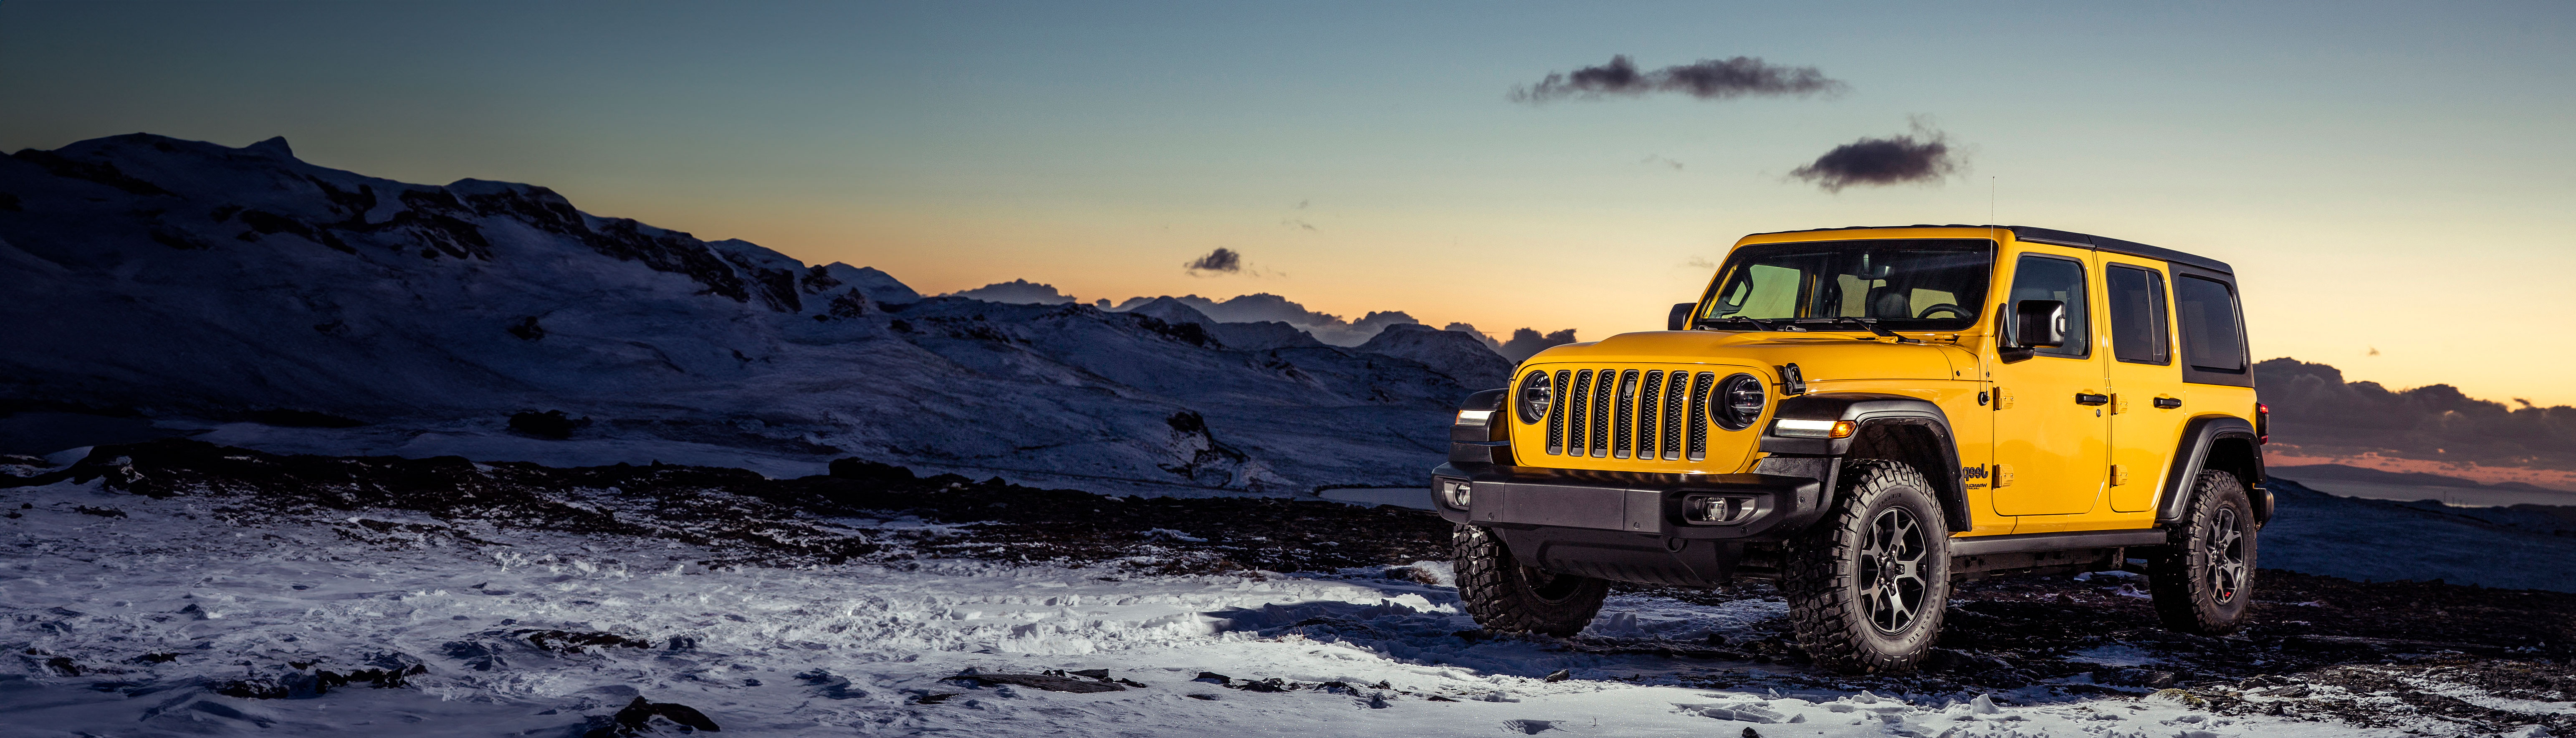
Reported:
(2397, 177)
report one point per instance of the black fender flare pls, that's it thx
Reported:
(2231, 442)
(1869, 410)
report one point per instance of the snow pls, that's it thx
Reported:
(852, 650)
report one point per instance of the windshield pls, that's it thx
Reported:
(1901, 285)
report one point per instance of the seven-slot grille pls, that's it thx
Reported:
(1630, 414)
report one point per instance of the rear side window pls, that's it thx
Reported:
(2211, 339)
(2138, 315)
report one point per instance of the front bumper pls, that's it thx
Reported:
(1627, 526)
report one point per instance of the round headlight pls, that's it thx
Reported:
(1739, 402)
(1536, 394)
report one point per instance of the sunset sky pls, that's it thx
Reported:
(2396, 183)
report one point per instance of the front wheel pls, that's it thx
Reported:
(1868, 584)
(2204, 579)
(1509, 598)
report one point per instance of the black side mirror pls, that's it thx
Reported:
(2038, 324)
(1680, 319)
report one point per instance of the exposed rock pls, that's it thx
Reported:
(1046, 682)
(640, 715)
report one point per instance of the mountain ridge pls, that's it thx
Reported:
(188, 279)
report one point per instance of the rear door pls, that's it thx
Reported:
(2147, 393)
(2050, 450)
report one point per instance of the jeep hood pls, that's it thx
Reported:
(1821, 357)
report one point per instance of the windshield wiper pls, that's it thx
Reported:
(1871, 325)
(1757, 323)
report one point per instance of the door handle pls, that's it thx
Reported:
(2168, 403)
(2088, 398)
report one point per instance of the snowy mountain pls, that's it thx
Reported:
(187, 280)
(1458, 354)
(1268, 308)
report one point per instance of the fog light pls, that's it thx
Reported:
(1454, 492)
(1716, 509)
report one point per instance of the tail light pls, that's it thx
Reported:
(2262, 423)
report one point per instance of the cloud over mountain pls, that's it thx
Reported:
(1706, 79)
(2315, 410)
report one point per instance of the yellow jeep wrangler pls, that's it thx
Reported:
(1867, 415)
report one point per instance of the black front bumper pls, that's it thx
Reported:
(1626, 526)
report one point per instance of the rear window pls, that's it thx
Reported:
(2211, 339)
(2138, 315)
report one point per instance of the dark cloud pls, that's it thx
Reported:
(1707, 79)
(1922, 157)
(1223, 260)
(2317, 413)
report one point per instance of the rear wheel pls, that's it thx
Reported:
(2204, 579)
(1868, 584)
(1510, 598)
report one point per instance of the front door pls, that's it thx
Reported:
(2050, 450)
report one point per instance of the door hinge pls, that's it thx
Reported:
(2003, 475)
(2119, 404)
(2119, 475)
(2003, 399)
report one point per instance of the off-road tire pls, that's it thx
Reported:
(1839, 602)
(1506, 597)
(2203, 580)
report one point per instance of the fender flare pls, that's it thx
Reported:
(1871, 410)
(2200, 438)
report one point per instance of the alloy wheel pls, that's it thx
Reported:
(1892, 589)
(2226, 541)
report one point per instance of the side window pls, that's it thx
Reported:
(2210, 340)
(2051, 278)
(2137, 314)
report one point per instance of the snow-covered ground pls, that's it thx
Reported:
(134, 622)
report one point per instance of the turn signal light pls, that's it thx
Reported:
(2262, 424)
(1793, 428)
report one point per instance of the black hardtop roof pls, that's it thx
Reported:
(2067, 238)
